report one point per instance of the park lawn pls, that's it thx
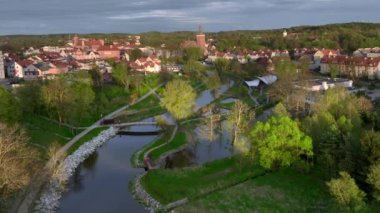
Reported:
(143, 114)
(282, 191)
(43, 133)
(89, 136)
(178, 141)
(169, 185)
(151, 101)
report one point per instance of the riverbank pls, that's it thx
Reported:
(49, 200)
(170, 185)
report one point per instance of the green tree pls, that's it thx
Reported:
(84, 96)
(193, 54)
(121, 75)
(280, 111)
(136, 53)
(346, 192)
(178, 98)
(97, 77)
(194, 68)
(373, 178)
(29, 97)
(9, 109)
(222, 65)
(238, 119)
(57, 95)
(279, 142)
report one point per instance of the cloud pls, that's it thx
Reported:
(84, 16)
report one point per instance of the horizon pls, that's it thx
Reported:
(42, 17)
(189, 31)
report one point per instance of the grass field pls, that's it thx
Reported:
(43, 133)
(178, 140)
(168, 185)
(282, 191)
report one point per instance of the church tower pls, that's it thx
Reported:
(201, 39)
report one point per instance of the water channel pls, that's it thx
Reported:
(101, 182)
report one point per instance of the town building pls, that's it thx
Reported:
(2, 67)
(368, 52)
(355, 66)
(201, 40)
(149, 64)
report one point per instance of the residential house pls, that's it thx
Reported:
(368, 52)
(149, 64)
(319, 54)
(219, 55)
(109, 52)
(356, 66)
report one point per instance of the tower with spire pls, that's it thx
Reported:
(201, 38)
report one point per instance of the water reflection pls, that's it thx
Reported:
(101, 183)
(201, 149)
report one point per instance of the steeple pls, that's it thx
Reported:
(200, 30)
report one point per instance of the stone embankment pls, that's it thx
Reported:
(49, 200)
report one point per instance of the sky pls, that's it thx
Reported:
(133, 16)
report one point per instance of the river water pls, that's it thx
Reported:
(101, 183)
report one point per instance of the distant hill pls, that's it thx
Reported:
(347, 36)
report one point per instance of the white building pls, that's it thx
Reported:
(2, 71)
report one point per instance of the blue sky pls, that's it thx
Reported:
(132, 16)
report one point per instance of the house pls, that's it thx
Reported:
(109, 52)
(93, 44)
(31, 72)
(356, 66)
(219, 55)
(261, 81)
(319, 54)
(323, 84)
(2, 70)
(31, 51)
(368, 52)
(149, 64)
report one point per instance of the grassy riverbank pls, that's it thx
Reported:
(178, 141)
(89, 136)
(282, 191)
(170, 185)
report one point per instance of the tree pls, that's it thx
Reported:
(239, 118)
(279, 142)
(97, 77)
(179, 98)
(210, 123)
(83, 96)
(193, 54)
(373, 178)
(346, 192)
(280, 111)
(29, 97)
(9, 109)
(222, 65)
(17, 159)
(194, 68)
(136, 53)
(121, 75)
(334, 70)
(57, 95)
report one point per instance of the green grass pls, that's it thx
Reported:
(178, 140)
(143, 114)
(282, 191)
(151, 101)
(169, 185)
(43, 133)
(89, 136)
(139, 155)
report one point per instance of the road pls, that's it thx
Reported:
(38, 181)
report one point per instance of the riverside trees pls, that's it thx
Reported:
(179, 98)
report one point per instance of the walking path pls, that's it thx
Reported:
(40, 179)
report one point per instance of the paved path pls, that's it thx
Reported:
(39, 180)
